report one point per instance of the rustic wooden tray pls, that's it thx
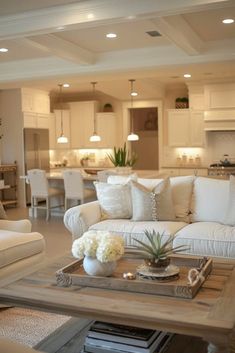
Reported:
(74, 274)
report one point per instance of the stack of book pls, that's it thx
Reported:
(112, 338)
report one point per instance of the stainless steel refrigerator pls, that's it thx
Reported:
(36, 152)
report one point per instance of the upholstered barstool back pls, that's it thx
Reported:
(74, 187)
(40, 190)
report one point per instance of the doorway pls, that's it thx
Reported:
(145, 124)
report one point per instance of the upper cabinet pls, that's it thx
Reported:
(220, 96)
(185, 128)
(82, 125)
(107, 129)
(35, 101)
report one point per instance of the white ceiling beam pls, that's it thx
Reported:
(179, 32)
(86, 13)
(61, 48)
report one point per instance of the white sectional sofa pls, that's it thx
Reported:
(20, 249)
(204, 215)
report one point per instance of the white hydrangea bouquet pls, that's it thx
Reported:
(101, 245)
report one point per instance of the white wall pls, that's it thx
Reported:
(12, 128)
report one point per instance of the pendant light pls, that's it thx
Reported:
(61, 138)
(132, 136)
(95, 137)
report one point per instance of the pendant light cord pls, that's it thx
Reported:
(131, 124)
(94, 117)
(61, 111)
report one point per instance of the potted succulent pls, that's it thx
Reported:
(122, 158)
(108, 107)
(156, 251)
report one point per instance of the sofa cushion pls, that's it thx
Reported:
(230, 212)
(149, 183)
(209, 200)
(115, 200)
(129, 229)
(155, 204)
(16, 246)
(207, 238)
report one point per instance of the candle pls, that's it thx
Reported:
(128, 275)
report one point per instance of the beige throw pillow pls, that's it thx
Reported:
(115, 200)
(152, 205)
(230, 214)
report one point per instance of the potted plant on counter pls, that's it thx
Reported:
(122, 158)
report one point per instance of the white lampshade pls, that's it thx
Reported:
(95, 138)
(62, 139)
(132, 137)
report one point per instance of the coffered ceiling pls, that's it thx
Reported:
(54, 41)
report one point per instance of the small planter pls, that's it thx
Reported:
(157, 264)
(94, 267)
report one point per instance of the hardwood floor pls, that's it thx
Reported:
(58, 238)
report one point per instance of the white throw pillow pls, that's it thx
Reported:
(114, 200)
(155, 204)
(182, 189)
(230, 213)
(210, 200)
(121, 179)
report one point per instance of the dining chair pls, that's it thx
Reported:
(75, 189)
(40, 191)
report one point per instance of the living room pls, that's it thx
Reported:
(179, 59)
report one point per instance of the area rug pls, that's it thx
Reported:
(27, 326)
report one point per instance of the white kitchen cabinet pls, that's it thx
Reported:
(34, 120)
(178, 127)
(196, 101)
(220, 96)
(107, 129)
(177, 171)
(52, 132)
(82, 124)
(65, 116)
(185, 128)
(35, 101)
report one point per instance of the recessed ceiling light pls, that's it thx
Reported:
(187, 75)
(60, 28)
(111, 35)
(3, 50)
(228, 20)
(90, 16)
(134, 94)
(66, 85)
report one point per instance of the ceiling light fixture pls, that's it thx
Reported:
(61, 138)
(132, 136)
(95, 137)
(134, 94)
(3, 50)
(60, 28)
(66, 85)
(228, 21)
(187, 75)
(111, 35)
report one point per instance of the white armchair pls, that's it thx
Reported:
(20, 249)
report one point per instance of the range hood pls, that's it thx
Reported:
(219, 120)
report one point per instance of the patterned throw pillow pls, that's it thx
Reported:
(115, 200)
(152, 205)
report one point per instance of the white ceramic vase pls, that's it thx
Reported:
(94, 267)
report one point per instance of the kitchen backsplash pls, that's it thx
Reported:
(217, 144)
(72, 158)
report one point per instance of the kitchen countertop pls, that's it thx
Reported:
(187, 167)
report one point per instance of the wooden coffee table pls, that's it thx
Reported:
(209, 315)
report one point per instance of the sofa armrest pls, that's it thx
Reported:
(79, 218)
(21, 226)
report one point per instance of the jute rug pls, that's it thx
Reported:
(28, 326)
